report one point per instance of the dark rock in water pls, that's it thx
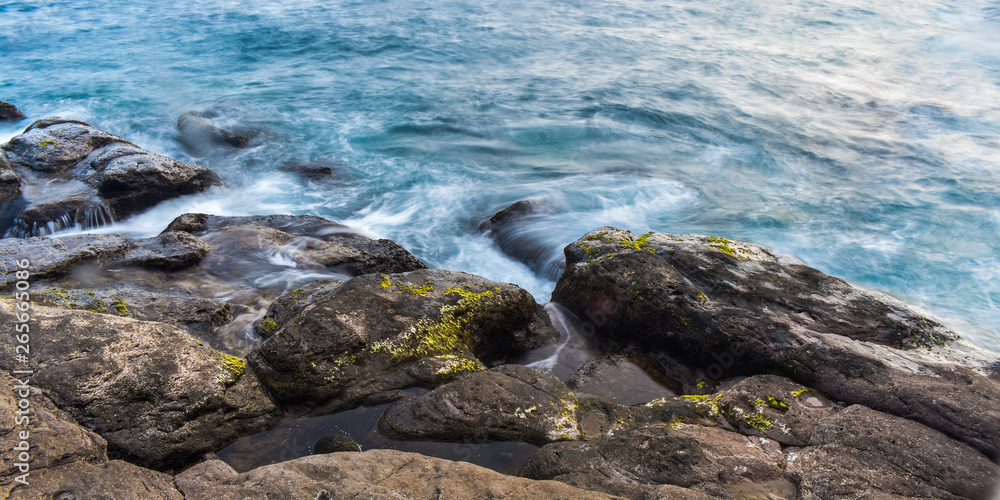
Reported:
(859, 452)
(507, 403)
(334, 443)
(371, 474)
(376, 334)
(322, 170)
(731, 308)
(158, 396)
(73, 173)
(312, 242)
(507, 230)
(634, 463)
(9, 113)
(515, 212)
(198, 133)
(67, 460)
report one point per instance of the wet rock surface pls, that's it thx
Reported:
(860, 451)
(208, 284)
(73, 173)
(731, 308)
(379, 333)
(311, 242)
(156, 394)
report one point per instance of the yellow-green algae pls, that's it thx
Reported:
(387, 284)
(233, 367)
(456, 365)
(444, 335)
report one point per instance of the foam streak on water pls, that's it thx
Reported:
(862, 137)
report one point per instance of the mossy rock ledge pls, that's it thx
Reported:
(727, 308)
(374, 335)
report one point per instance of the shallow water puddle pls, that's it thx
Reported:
(295, 438)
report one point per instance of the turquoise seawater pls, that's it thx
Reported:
(861, 137)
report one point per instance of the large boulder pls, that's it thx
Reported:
(376, 334)
(731, 308)
(66, 460)
(862, 452)
(74, 173)
(158, 396)
(371, 474)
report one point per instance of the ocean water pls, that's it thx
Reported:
(861, 137)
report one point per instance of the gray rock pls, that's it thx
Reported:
(376, 334)
(732, 308)
(9, 113)
(377, 474)
(73, 173)
(67, 460)
(861, 452)
(635, 462)
(159, 397)
(52, 258)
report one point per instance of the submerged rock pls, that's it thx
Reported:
(157, 395)
(507, 229)
(376, 334)
(66, 459)
(334, 443)
(10, 113)
(731, 308)
(73, 173)
(199, 134)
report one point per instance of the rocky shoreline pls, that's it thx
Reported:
(722, 370)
